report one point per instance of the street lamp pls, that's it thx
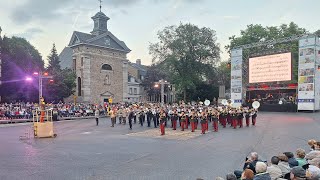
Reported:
(162, 84)
(41, 76)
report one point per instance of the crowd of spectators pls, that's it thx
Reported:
(287, 165)
(21, 110)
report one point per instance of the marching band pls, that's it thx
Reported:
(185, 115)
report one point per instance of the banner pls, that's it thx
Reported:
(307, 75)
(317, 76)
(236, 76)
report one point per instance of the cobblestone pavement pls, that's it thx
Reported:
(83, 151)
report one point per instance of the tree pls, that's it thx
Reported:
(63, 80)
(317, 32)
(187, 54)
(154, 74)
(19, 59)
(54, 62)
(203, 91)
(258, 33)
(223, 74)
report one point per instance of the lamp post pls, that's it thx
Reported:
(162, 84)
(41, 76)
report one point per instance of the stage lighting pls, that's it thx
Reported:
(28, 79)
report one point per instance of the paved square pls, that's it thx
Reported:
(83, 151)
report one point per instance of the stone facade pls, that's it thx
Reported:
(98, 84)
(100, 62)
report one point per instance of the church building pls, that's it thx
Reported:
(99, 60)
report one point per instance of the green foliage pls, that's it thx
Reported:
(19, 59)
(203, 91)
(258, 33)
(53, 58)
(63, 80)
(223, 74)
(154, 74)
(187, 54)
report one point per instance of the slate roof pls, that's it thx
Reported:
(141, 68)
(65, 58)
(100, 14)
(99, 40)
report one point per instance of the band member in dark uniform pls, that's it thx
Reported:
(135, 116)
(254, 117)
(157, 116)
(141, 118)
(240, 118)
(187, 121)
(192, 118)
(183, 120)
(207, 122)
(229, 120)
(223, 115)
(154, 118)
(149, 115)
(203, 122)
(247, 117)
(233, 116)
(163, 117)
(196, 121)
(131, 114)
(174, 119)
(215, 116)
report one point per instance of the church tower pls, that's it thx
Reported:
(100, 62)
(100, 23)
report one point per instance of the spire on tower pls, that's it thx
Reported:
(100, 4)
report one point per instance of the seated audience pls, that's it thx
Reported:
(311, 143)
(291, 160)
(313, 171)
(283, 164)
(261, 172)
(247, 175)
(297, 173)
(231, 176)
(300, 157)
(314, 161)
(274, 170)
(251, 162)
(314, 153)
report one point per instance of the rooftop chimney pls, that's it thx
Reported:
(138, 61)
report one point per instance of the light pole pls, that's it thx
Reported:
(162, 83)
(41, 76)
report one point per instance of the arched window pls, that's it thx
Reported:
(106, 67)
(79, 86)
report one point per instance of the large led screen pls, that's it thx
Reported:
(270, 68)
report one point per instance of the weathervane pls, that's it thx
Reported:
(100, 4)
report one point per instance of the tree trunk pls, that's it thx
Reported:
(185, 95)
